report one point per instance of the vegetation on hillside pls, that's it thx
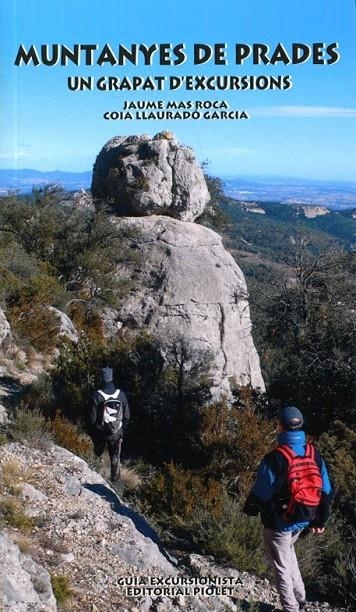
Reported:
(303, 302)
(55, 254)
(272, 234)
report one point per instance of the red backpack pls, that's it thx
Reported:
(304, 484)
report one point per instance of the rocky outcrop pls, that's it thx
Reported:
(145, 176)
(66, 328)
(6, 338)
(190, 292)
(250, 587)
(20, 367)
(26, 585)
(7, 347)
(310, 212)
(84, 532)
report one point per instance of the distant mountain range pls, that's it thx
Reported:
(337, 195)
(24, 180)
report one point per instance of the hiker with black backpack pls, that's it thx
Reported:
(292, 493)
(108, 419)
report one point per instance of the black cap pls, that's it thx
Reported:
(291, 417)
(107, 375)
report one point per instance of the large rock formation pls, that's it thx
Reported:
(144, 176)
(191, 292)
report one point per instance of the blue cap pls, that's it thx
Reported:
(107, 375)
(291, 417)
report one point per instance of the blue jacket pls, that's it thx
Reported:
(270, 475)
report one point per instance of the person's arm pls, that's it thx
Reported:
(126, 412)
(92, 415)
(318, 525)
(263, 490)
(253, 505)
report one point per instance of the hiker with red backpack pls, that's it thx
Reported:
(108, 419)
(292, 492)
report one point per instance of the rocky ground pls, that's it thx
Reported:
(79, 531)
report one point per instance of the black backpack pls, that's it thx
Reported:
(112, 412)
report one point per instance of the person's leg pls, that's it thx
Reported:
(114, 447)
(278, 545)
(99, 445)
(298, 584)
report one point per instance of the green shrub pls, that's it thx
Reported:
(86, 320)
(3, 438)
(177, 493)
(233, 537)
(31, 426)
(59, 255)
(11, 472)
(338, 448)
(327, 563)
(36, 325)
(61, 588)
(235, 438)
(13, 515)
(39, 397)
(68, 434)
(333, 562)
(343, 581)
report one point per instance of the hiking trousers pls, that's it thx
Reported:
(114, 449)
(279, 546)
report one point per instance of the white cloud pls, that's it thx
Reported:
(14, 156)
(304, 111)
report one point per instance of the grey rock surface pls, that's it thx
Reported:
(72, 486)
(4, 419)
(191, 293)
(66, 327)
(145, 176)
(6, 338)
(25, 585)
(30, 493)
(142, 555)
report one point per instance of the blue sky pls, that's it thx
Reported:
(305, 131)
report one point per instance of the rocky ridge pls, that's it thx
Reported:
(84, 531)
